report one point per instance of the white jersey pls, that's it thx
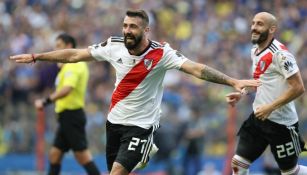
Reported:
(138, 91)
(273, 66)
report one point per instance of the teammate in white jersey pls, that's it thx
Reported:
(140, 66)
(274, 121)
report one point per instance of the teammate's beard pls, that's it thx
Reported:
(133, 45)
(262, 37)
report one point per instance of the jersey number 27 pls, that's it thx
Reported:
(135, 142)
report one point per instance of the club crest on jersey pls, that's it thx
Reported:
(148, 63)
(262, 65)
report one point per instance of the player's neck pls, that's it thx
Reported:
(265, 44)
(141, 48)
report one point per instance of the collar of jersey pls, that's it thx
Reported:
(145, 50)
(265, 47)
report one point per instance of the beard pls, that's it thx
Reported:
(262, 37)
(135, 43)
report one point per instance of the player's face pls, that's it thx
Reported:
(259, 31)
(133, 32)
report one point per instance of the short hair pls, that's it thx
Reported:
(67, 39)
(139, 13)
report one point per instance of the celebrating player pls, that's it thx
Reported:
(274, 121)
(140, 66)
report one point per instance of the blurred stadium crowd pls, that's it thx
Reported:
(214, 32)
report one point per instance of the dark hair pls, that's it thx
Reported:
(139, 13)
(67, 39)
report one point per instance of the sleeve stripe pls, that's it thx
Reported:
(273, 45)
(155, 45)
(117, 39)
(272, 49)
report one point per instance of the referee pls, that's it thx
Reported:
(69, 99)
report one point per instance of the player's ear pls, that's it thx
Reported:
(273, 29)
(147, 29)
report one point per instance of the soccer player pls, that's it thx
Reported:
(274, 120)
(140, 66)
(69, 98)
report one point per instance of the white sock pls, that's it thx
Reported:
(240, 166)
(298, 170)
(302, 170)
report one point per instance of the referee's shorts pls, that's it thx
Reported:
(71, 133)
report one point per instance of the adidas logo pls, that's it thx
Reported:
(120, 61)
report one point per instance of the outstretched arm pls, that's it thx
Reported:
(206, 73)
(64, 56)
(210, 74)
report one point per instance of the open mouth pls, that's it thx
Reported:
(129, 37)
(255, 34)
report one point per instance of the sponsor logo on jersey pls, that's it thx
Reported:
(288, 65)
(148, 63)
(178, 54)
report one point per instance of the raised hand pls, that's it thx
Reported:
(233, 98)
(23, 58)
(240, 85)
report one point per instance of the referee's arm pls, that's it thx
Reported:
(40, 103)
(61, 93)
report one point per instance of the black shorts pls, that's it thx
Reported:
(285, 141)
(128, 145)
(71, 133)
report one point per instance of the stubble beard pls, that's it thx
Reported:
(132, 45)
(262, 37)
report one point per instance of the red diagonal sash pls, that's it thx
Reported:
(135, 76)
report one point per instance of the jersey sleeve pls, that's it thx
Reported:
(101, 51)
(173, 59)
(71, 75)
(286, 64)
